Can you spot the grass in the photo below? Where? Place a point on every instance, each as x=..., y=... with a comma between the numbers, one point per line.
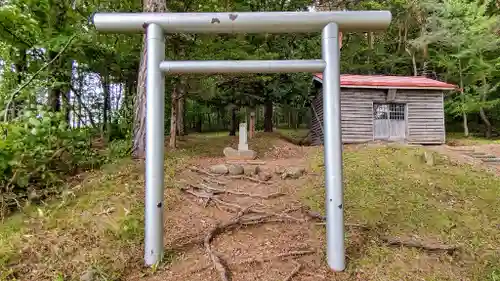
x=64, y=238
x=293, y=135
x=97, y=225
x=458, y=139
x=394, y=192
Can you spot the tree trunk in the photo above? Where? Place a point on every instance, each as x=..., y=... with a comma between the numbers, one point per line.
x=219, y=120
x=234, y=125
x=181, y=113
x=139, y=141
x=268, y=116
x=173, y=119
x=466, y=125
x=489, y=128
x=290, y=121
x=462, y=95
x=413, y=61
x=21, y=68
x=251, y=133
x=209, y=119
x=54, y=92
x=105, y=129
x=199, y=123
x=67, y=106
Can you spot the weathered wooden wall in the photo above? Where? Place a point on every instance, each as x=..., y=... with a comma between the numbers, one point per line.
x=425, y=115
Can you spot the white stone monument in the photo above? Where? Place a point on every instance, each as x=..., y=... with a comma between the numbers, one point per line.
x=243, y=153
x=243, y=144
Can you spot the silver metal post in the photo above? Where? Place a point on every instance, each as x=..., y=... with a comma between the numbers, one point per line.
x=272, y=22
x=155, y=107
x=243, y=66
x=248, y=22
x=333, y=148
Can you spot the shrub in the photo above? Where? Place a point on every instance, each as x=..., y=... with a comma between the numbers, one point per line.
x=37, y=151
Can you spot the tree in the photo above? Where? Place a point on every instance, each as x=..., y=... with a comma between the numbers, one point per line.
x=464, y=39
x=139, y=128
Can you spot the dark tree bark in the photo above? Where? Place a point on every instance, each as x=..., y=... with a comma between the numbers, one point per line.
x=21, y=67
x=482, y=113
x=234, y=122
x=173, y=119
x=139, y=141
x=54, y=92
x=106, y=122
x=198, y=124
x=180, y=108
x=268, y=116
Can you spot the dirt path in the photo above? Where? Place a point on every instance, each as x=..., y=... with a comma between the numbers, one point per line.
x=486, y=156
x=245, y=249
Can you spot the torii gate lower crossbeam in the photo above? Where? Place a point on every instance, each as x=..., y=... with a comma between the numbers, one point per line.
x=157, y=24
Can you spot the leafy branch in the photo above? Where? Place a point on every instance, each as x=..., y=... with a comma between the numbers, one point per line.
x=16, y=92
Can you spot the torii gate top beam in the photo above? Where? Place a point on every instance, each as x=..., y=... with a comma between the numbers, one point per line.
x=242, y=22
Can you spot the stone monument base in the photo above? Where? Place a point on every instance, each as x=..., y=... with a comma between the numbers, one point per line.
x=233, y=154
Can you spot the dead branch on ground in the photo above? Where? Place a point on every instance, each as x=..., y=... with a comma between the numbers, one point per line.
x=210, y=180
x=411, y=243
x=294, y=272
x=243, y=177
x=239, y=193
x=393, y=241
x=277, y=257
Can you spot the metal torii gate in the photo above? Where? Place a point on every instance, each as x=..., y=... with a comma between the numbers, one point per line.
x=157, y=24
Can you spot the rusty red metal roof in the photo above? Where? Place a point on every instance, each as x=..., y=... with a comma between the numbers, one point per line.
x=383, y=81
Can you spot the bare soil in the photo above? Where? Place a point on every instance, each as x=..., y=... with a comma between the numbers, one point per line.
x=245, y=250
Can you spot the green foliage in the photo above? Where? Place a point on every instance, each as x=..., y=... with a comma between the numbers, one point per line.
x=37, y=151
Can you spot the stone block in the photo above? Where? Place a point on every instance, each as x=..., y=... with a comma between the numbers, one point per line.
x=220, y=169
x=233, y=154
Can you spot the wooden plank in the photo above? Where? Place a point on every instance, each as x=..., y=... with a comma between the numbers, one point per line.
x=424, y=119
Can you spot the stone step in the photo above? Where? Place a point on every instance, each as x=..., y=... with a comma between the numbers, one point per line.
x=462, y=150
x=480, y=156
x=492, y=160
x=477, y=153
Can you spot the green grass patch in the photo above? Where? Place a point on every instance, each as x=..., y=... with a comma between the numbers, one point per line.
x=393, y=191
x=295, y=136
x=458, y=139
x=97, y=226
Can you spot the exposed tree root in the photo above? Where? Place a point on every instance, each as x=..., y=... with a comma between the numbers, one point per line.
x=209, y=191
x=218, y=191
x=411, y=243
x=239, y=220
x=243, y=177
x=218, y=263
x=246, y=216
x=294, y=272
x=210, y=180
x=395, y=241
x=277, y=257
x=282, y=256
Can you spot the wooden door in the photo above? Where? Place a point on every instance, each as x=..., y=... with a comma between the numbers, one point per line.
x=389, y=122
